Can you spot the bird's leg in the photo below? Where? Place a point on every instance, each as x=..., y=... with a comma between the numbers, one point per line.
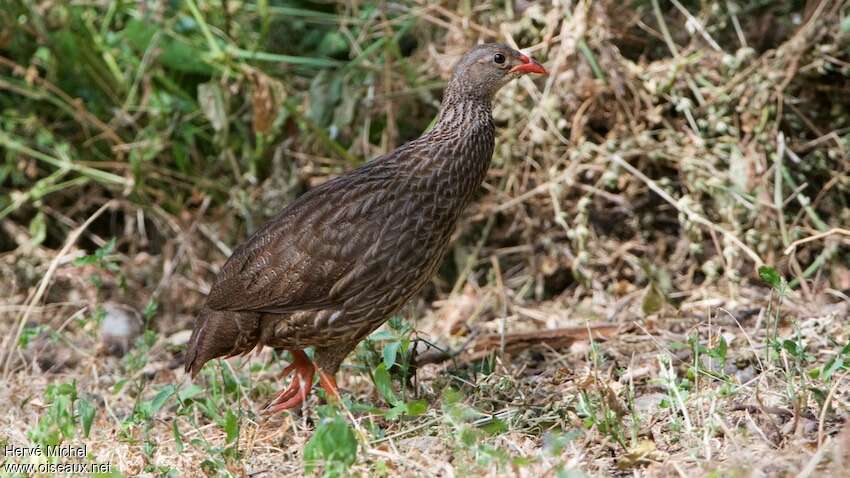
x=328, y=382
x=299, y=386
x=327, y=361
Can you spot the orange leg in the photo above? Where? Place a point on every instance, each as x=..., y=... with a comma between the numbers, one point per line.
x=328, y=382
x=299, y=386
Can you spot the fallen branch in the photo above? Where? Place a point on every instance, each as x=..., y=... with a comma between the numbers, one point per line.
x=482, y=346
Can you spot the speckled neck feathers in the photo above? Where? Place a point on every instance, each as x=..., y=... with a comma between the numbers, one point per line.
x=456, y=152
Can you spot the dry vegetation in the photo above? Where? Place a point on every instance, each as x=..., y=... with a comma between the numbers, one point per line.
x=678, y=187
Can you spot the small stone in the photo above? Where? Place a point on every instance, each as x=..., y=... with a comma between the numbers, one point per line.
x=179, y=338
x=119, y=329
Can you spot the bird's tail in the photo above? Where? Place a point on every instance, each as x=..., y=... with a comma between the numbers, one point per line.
x=220, y=333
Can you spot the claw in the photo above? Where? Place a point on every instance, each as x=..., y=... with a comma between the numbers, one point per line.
x=299, y=386
x=296, y=397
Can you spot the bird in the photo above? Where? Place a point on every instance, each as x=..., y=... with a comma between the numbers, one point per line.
x=345, y=256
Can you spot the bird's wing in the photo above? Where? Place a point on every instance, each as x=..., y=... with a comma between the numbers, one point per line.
x=294, y=261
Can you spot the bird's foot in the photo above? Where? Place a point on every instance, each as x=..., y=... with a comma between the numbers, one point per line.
x=299, y=386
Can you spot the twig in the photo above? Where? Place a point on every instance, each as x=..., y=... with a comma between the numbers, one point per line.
x=668, y=39
x=822, y=418
x=740, y=32
x=831, y=232
x=697, y=25
x=777, y=186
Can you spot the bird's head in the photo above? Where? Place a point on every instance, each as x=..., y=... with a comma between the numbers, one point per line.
x=486, y=68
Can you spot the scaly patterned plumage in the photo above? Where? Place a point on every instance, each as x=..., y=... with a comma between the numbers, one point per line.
x=342, y=258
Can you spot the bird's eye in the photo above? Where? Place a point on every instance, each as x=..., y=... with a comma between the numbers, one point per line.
x=499, y=58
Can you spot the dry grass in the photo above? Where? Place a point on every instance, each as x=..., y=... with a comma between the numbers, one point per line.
x=673, y=150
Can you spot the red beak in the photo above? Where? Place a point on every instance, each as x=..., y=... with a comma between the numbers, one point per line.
x=528, y=66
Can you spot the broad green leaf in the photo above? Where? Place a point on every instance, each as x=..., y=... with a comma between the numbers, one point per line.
x=791, y=347
x=86, y=412
x=830, y=367
x=160, y=398
x=189, y=392
x=416, y=407
x=390, y=352
x=383, y=383
x=495, y=427
x=382, y=335
x=231, y=426
x=333, y=444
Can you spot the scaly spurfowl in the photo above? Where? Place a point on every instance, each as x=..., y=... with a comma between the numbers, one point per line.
x=342, y=258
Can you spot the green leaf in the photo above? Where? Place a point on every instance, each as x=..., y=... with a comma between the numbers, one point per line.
x=334, y=444
x=174, y=53
x=451, y=396
x=771, y=276
x=231, y=426
x=653, y=300
x=830, y=367
x=495, y=427
x=390, y=352
x=150, y=309
x=384, y=384
x=333, y=44
x=719, y=352
x=28, y=334
x=189, y=392
x=395, y=412
x=468, y=436
x=791, y=347
x=38, y=229
x=86, y=413
x=119, y=385
x=106, y=249
x=160, y=398
x=416, y=407
x=379, y=335
x=178, y=437
x=99, y=257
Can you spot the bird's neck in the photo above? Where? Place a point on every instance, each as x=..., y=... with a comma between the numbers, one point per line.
x=460, y=146
x=462, y=108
